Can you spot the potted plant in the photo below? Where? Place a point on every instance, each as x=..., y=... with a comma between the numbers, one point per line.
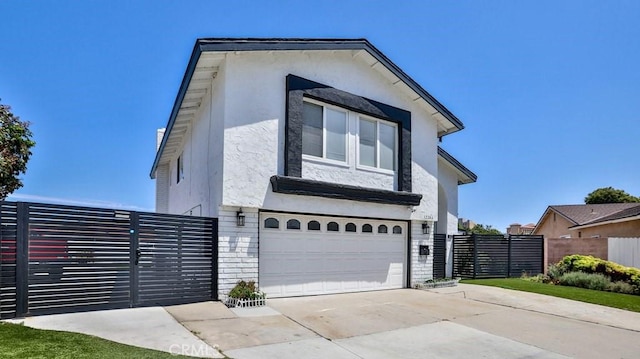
x=246, y=294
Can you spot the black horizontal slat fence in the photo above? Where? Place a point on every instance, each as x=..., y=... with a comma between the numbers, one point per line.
x=439, y=256
x=57, y=259
x=494, y=256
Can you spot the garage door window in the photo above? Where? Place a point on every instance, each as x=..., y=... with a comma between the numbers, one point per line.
x=382, y=229
x=313, y=226
x=333, y=227
x=271, y=223
x=397, y=230
x=366, y=228
x=350, y=227
x=293, y=224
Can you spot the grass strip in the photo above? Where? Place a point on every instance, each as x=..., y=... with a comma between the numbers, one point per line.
x=609, y=299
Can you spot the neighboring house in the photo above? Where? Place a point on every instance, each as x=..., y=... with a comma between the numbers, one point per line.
x=319, y=158
x=590, y=221
x=465, y=224
x=519, y=229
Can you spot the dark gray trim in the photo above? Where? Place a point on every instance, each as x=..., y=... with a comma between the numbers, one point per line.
x=298, y=88
x=275, y=44
x=306, y=187
x=459, y=166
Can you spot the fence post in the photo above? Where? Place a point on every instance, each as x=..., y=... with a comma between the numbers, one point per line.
x=134, y=228
x=475, y=254
x=22, y=259
x=544, y=270
x=214, y=259
x=509, y=257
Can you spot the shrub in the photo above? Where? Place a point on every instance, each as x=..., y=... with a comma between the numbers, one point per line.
x=623, y=287
x=595, y=281
x=590, y=264
x=540, y=278
x=555, y=271
x=246, y=290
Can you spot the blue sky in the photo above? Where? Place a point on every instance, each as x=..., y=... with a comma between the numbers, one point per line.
x=549, y=91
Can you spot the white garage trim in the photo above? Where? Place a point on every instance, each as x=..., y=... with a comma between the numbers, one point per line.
x=314, y=254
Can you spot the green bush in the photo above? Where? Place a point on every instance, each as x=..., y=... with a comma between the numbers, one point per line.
x=246, y=290
x=595, y=281
x=554, y=272
x=590, y=264
x=623, y=287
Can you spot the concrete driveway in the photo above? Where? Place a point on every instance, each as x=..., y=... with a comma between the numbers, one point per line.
x=460, y=322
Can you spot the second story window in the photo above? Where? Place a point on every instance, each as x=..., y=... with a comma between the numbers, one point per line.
x=377, y=144
x=324, y=132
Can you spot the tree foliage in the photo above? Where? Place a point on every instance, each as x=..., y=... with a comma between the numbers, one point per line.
x=15, y=150
x=482, y=229
x=609, y=195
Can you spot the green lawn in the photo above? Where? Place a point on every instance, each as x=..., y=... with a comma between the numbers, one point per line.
x=614, y=300
x=17, y=341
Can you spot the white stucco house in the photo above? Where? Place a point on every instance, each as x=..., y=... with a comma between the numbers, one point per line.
x=325, y=149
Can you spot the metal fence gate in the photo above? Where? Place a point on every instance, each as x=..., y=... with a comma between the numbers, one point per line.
x=57, y=259
x=494, y=256
x=439, y=256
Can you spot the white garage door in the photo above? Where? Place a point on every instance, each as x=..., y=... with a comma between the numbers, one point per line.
x=307, y=255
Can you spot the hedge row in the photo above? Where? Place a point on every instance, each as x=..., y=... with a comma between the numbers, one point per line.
x=590, y=264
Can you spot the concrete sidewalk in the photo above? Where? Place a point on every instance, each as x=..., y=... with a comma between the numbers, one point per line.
x=151, y=328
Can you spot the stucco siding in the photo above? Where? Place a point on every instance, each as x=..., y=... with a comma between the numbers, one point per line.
x=448, y=180
x=255, y=120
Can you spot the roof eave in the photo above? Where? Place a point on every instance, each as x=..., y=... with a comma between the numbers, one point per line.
x=466, y=174
x=602, y=223
x=274, y=44
x=193, y=61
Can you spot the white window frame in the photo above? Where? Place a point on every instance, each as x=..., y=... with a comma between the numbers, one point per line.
x=377, y=168
x=324, y=158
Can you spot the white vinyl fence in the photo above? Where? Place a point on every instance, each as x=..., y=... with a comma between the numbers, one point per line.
x=625, y=251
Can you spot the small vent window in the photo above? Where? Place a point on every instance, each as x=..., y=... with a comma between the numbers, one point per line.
x=397, y=230
x=313, y=226
x=382, y=229
x=350, y=227
x=333, y=227
x=271, y=223
x=366, y=228
x=293, y=224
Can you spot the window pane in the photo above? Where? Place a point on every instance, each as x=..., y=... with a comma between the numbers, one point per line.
x=313, y=226
x=312, y=129
x=333, y=227
x=397, y=230
x=293, y=224
x=382, y=229
x=271, y=223
x=336, y=123
x=387, y=146
x=367, y=143
x=367, y=228
x=350, y=227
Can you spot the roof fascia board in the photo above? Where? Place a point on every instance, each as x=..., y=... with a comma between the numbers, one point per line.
x=257, y=44
x=329, y=44
x=612, y=221
x=191, y=67
x=458, y=166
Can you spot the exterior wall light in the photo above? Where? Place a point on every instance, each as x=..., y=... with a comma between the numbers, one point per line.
x=240, y=218
x=425, y=228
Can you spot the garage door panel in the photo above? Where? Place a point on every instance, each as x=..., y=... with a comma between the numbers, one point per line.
x=303, y=262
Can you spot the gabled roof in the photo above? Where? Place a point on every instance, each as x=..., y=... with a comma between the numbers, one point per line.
x=448, y=122
x=590, y=214
x=464, y=174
